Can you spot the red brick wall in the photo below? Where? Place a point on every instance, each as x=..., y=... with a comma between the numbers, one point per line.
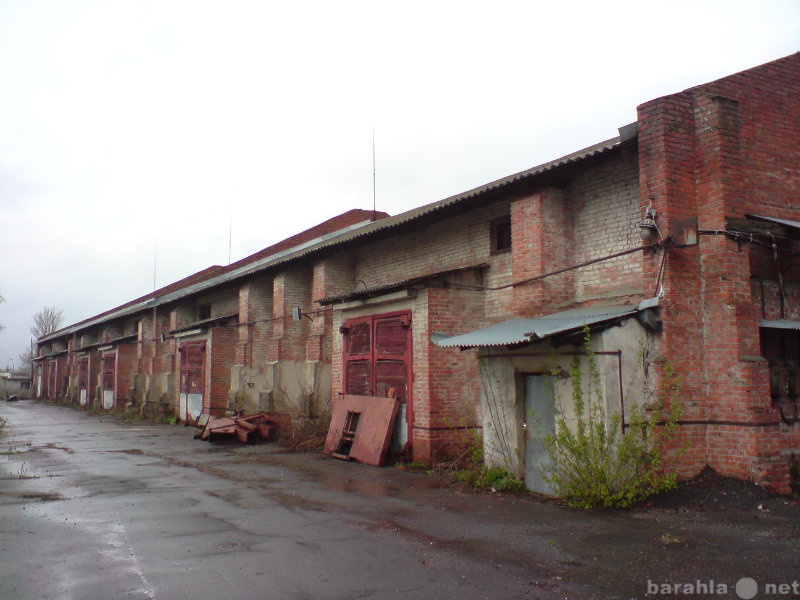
x=222, y=352
x=462, y=240
x=255, y=315
x=331, y=276
x=604, y=206
x=594, y=216
x=541, y=231
x=720, y=151
x=127, y=367
x=290, y=289
x=448, y=418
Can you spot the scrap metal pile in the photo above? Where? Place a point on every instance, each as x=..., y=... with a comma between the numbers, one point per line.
x=245, y=429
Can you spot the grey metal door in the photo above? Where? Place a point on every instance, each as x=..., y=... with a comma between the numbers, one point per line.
x=540, y=418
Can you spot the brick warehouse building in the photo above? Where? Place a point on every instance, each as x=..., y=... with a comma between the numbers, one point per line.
x=675, y=241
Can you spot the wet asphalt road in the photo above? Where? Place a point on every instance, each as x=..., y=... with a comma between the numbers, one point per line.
x=94, y=509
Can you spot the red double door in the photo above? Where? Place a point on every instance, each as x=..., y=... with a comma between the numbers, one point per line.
x=377, y=362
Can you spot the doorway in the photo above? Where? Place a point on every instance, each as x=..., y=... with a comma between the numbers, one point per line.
x=83, y=382
x=109, y=378
x=193, y=360
x=540, y=421
x=377, y=362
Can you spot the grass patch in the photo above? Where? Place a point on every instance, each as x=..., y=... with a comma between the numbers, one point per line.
x=416, y=467
x=491, y=479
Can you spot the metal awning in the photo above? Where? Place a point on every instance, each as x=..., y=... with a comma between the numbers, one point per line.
x=520, y=331
x=779, y=324
x=791, y=228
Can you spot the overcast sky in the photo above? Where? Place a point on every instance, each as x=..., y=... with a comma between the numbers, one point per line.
x=135, y=135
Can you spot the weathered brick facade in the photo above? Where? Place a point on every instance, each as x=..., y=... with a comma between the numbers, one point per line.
x=719, y=152
x=562, y=235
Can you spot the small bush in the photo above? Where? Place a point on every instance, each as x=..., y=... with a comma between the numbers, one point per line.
x=594, y=463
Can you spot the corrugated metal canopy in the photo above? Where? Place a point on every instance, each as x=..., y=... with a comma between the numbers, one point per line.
x=779, y=324
x=793, y=227
x=519, y=331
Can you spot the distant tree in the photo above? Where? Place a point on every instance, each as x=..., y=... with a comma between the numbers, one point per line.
x=46, y=321
x=26, y=360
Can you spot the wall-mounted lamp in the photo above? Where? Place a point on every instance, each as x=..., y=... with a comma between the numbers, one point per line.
x=647, y=227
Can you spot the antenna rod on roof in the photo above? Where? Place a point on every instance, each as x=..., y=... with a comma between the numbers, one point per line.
x=374, y=212
x=230, y=237
x=155, y=263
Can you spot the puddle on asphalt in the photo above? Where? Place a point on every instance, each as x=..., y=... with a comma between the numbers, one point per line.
x=57, y=447
x=30, y=496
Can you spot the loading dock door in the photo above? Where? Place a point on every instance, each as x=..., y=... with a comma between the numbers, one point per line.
x=83, y=382
x=193, y=359
x=377, y=360
x=109, y=375
x=540, y=418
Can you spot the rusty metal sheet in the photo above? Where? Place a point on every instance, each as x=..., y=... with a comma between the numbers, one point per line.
x=361, y=428
x=246, y=429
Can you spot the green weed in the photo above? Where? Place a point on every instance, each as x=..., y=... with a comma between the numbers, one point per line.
x=593, y=462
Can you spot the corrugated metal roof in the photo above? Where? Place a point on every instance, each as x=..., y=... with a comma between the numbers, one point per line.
x=348, y=234
x=411, y=215
x=193, y=284
x=519, y=331
x=795, y=225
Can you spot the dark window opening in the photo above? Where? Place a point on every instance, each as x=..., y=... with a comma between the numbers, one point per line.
x=203, y=312
x=501, y=235
x=781, y=348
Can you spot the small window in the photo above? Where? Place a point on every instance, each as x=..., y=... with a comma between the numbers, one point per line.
x=501, y=235
x=203, y=312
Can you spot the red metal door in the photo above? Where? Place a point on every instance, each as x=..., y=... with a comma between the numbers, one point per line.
x=377, y=362
x=109, y=378
x=193, y=359
x=52, y=386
